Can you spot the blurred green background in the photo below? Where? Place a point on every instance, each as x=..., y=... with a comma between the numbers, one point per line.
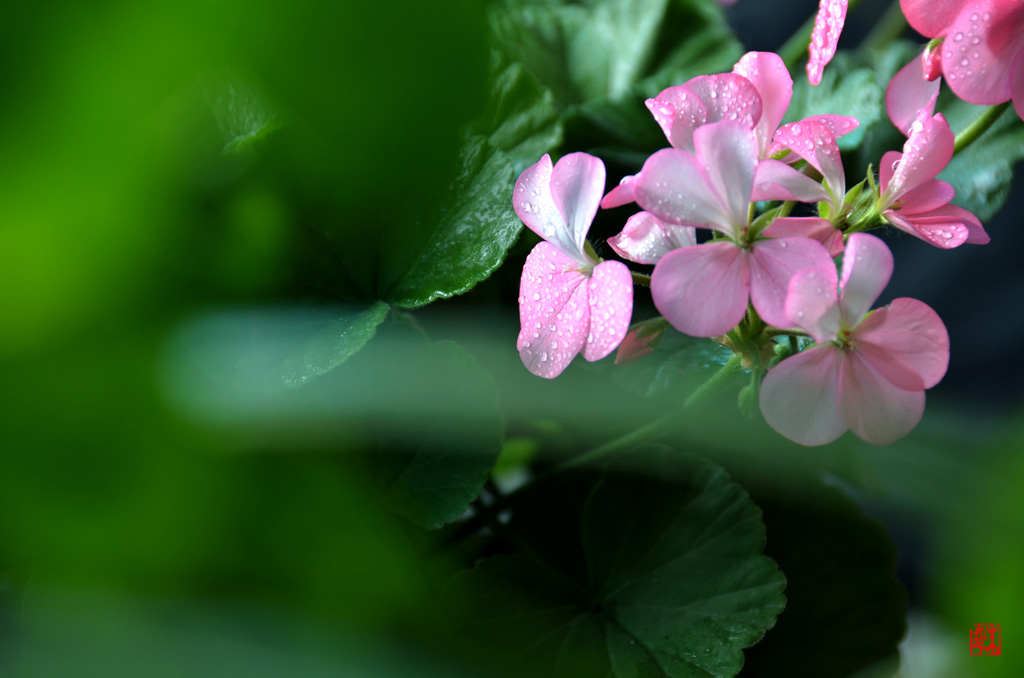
x=189, y=191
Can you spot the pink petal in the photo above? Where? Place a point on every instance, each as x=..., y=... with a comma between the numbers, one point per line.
x=886, y=169
x=703, y=290
x=727, y=96
x=873, y=407
x=559, y=203
x=553, y=311
x=775, y=180
x=769, y=75
x=839, y=125
x=611, y=305
x=773, y=263
x=1017, y=84
x=645, y=239
x=825, y=36
x=799, y=397
x=727, y=152
x=981, y=45
x=926, y=153
x=678, y=111
x=976, y=234
x=813, y=302
x=672, y=187
x=926, y=197
x=906, y=342
x=814, y=142
x=620, y=195
x=867, y=267
x=577, y=185
x=808, y=227
x=931, y=18
x=940, y=230
x=908, y=94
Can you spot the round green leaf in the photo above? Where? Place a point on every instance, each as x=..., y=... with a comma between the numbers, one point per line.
x=655, y=573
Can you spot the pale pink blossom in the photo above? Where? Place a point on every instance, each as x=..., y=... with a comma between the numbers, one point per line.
x=704, y=290
x=869, y=371
x=983, y=51
x=645, y=238
x=569, y=302
x=828, y=25
x=913, y=200
x=908, y=93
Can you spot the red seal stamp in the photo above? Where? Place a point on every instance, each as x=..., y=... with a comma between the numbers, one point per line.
x=985, y=639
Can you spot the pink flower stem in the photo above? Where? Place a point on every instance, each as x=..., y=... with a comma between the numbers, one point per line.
x=968, y=135
x=658, y=427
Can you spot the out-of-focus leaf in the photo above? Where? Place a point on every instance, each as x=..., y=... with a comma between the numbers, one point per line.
x=982, y=172
x=657, y=573
x=451, y=248
x=429, y=468
x=845, y=608
x=244, y=116
x=334, y=344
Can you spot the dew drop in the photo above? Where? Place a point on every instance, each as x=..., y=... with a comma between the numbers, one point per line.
x=543, y=357
x=536, y=296
x=958, y=37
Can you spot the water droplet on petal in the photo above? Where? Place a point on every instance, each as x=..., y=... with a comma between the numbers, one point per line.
x=536, y=296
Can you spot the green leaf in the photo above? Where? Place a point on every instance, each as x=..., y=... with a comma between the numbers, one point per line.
x=845, y=608
x=333, y=345
x=432, y=464
x=463, y=240
x=654, y=572
x=677, y=366
x=982, y=172
x=243, y=114
x=847, y=88
x=524, y=120
x=602, y=59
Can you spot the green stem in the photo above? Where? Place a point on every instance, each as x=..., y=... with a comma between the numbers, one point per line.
x=661, y=425
x=889, y=27
x=641, y=279
x=786, y=208
x=968, y=135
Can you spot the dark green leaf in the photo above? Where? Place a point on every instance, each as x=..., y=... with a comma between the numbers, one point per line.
x=678, y=365
x=982, y=172
x=432, y=463
x=845, y=608
x=461, y=242
x=653, y=573
x=524, y=121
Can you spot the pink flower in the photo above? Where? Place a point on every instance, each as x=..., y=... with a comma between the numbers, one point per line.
x=704, y=290
x=870, y=370
x=913, y=200
x=569, y=302
x=910, y=92
x=828, y=25
x=757, y=94
x=983, y=52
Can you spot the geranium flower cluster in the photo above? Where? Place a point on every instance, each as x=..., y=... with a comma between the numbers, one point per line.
x=755, y=277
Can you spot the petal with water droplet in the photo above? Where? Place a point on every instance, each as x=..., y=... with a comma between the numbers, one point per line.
x=703, y=290
x=799, y=397
x=611, y=286
x=867, y=268
x=562, y=302
x=773, y=263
